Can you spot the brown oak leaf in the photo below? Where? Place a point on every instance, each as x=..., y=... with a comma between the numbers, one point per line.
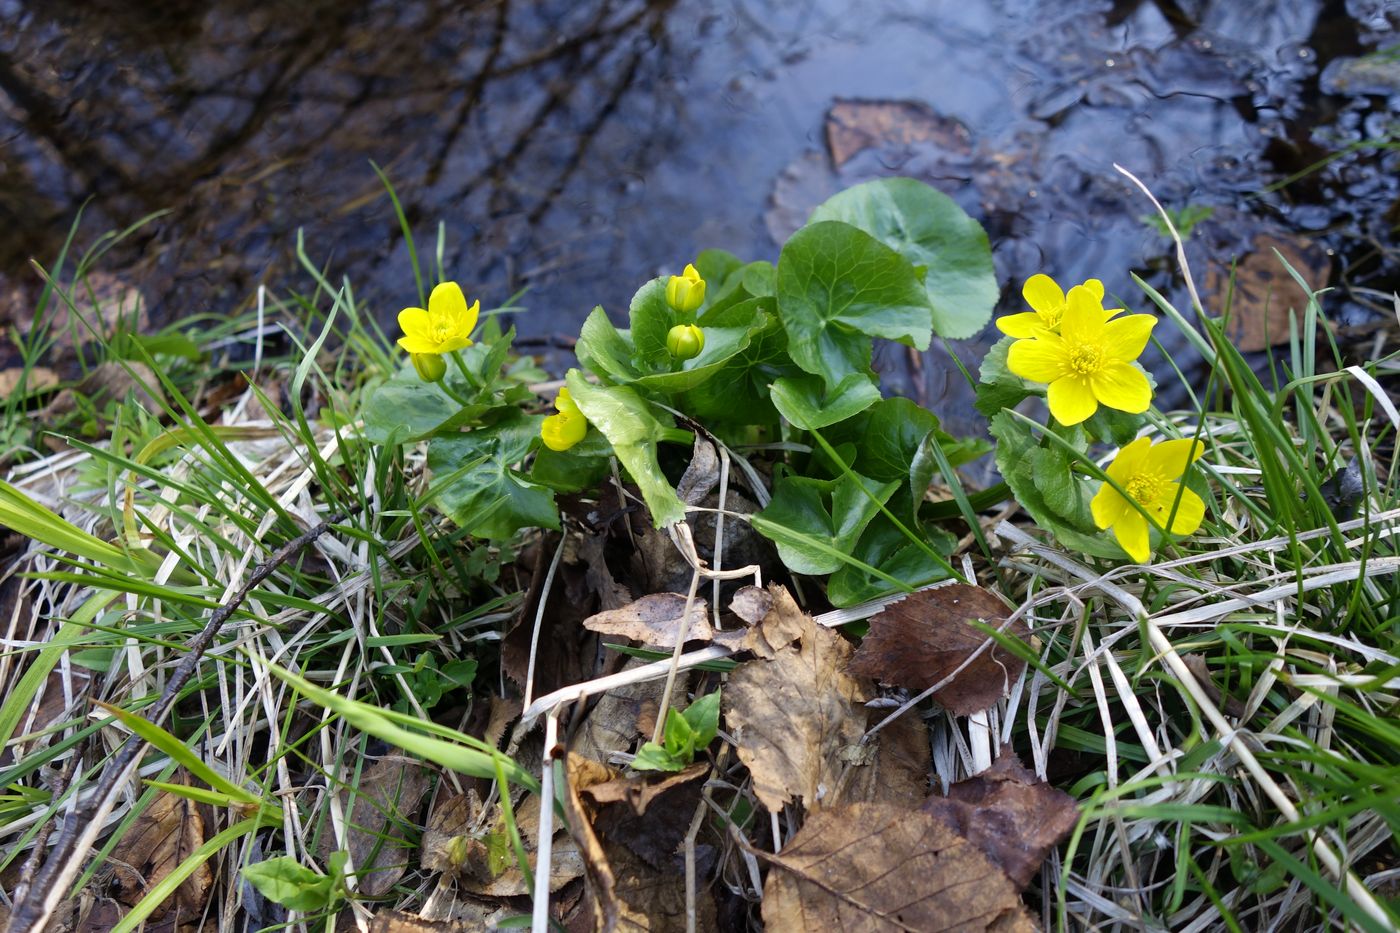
x=877, y=867
x=1008, y=813
x=922, y=639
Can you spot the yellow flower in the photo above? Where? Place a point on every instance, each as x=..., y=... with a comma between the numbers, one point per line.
x=685, y=341
x=564, y=430
x=685, y=293
x=1151, y=475
x=1047, y=301
x=1089, y=362
x=444, y=327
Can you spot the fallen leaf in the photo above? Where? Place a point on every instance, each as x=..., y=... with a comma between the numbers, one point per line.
x=163, y=836
x=893, y=767
x=35, y=379
x=1264, y=295
x=381, y=810
x=781, y=625
x=648, y=813
x=856, y=125
x=621, y=715
x=611, y=594
x=393, y=921
x=1197, y=665
x=654, y=899
x=751, y=604
x=582, y=773
x=654, y=620
x=875, y=866
x=108, y=382
x=504, y=710
x=791, y=716
x=1009, y=814
x=565, y=864
x=925, y=637
x=450, y=842
x=701, y=475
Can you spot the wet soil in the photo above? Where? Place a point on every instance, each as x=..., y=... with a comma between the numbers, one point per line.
x=575, y=149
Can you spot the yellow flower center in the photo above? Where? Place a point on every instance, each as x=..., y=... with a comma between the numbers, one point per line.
x=442, y=331
x=1086, y=359
x=1143, y=487
x=1052, y=317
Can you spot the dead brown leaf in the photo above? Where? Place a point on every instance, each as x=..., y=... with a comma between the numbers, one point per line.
x=782, y=624
x=893, y=767
x=701, y=475
x=623, y=714
x=856, y=125
x=383, y=806
x=35, y=379
x=925, y=637
x=751, y=604
x=506, y=878
x=108, y=382
x=1232, y=706
x=393, y=921
x=162, y=837
x=877, y=867
x=449, y=842
x=104, y=303
x=611, y=594
x=1013, y=817
x=648, y=813
x=791, y=716
x=583, y=773
x=654, y=620
x=1264, y=295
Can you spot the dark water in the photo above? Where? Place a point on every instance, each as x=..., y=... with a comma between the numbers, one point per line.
x=579, y=148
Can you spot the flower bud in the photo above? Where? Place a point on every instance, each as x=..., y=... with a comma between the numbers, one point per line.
x=685, y=293
x=685, y=341
x=431, y=366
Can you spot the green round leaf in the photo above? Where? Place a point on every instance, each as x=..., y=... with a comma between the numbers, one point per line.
x=929, y=229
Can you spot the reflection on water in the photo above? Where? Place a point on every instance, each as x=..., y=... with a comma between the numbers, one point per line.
x=578, y=148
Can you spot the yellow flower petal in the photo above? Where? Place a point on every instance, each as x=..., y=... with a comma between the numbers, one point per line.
x=1131, y=532
x=1170, y=459
x=1043, y=294
x=1041, y=359
x=1122, y=386
x=562, y=431
x=1130, y=460
x=470, y=318
x=1125, y=337
x=1084, y=319
x=1024, y=324
x=1095, y=288
x=1107, y=506
x=414, y=322
x=1190, y=511
x=1071, y=400
x=448, y=302
x=417, y=343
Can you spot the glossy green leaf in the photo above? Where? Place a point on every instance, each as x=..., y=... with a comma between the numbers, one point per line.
x=703, y=717
x=885, y=546
x=812, y=521
x=651, y=318
x=806, y=402
x=476, y=483
x=929, y=229
x=997, y=386
x=629, y=425
x=738, y=391
x=407, y=409
x=838, y=287
x=604, y=350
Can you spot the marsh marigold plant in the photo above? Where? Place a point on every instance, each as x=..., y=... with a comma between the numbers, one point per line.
x=1151, y=475
x=1089, y=362
x=445, y=325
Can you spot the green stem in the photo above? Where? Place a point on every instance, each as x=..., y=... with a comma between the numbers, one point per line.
x=917, y=541
x=467, y=374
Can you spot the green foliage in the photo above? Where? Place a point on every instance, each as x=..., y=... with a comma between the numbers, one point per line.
x=685, y=734
x=286, y=881
x=1184, y=218
x=947, y=248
